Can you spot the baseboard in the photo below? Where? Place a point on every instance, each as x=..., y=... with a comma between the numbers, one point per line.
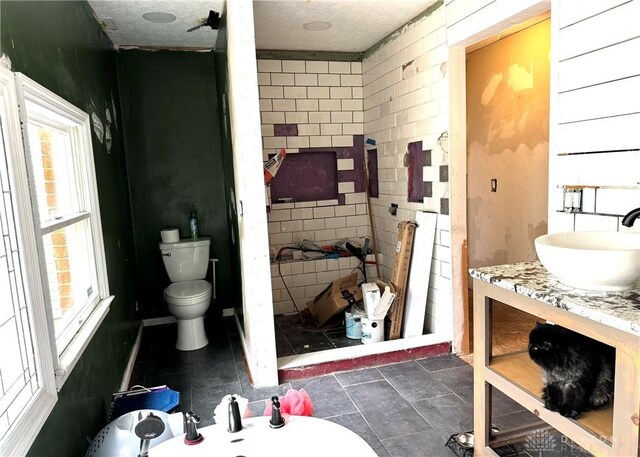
x=126, y=377
x=226, y=312
x=159, y=321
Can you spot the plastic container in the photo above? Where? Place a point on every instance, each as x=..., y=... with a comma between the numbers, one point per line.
x=193, y=225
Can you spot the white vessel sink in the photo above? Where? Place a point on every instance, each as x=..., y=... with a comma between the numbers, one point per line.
x=607, y=261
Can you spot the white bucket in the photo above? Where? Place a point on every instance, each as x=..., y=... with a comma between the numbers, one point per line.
x=170, y=235
x=372, y=330
x=353, y=324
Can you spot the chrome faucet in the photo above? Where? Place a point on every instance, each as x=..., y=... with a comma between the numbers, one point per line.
x=631, y=217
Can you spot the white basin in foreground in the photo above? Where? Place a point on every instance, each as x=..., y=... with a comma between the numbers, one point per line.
x=607, y=261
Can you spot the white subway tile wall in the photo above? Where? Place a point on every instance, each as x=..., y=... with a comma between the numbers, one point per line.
x=306, y=279
x=405, y=99
x=325, y=100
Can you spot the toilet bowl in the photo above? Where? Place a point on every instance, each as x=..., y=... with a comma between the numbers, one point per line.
x=188, y=296
x=188, y=301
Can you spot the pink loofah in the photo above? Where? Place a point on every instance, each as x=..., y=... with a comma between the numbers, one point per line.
x=294, y=403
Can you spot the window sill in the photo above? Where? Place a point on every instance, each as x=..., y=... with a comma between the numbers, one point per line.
x=71, y=355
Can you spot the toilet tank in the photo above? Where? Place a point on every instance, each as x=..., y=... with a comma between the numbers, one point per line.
x=187, y=259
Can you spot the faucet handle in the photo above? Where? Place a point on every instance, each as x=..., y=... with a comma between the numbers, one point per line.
x=190, y=416
x=276, y=418
x=191, y=421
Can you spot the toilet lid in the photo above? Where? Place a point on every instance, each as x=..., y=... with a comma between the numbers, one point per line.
x=188, y=289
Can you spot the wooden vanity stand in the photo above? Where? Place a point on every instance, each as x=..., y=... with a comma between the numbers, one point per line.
x=610, y=317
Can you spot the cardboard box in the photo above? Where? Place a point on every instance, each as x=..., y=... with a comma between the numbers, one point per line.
x=337, y=296
x=399, y=276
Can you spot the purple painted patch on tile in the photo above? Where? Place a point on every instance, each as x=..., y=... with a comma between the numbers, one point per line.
x=415, y=185
x=307, y=176
x=358, y=161
x=341, y=199
x=285, y=129
x=357, y=154
x=347, y=175
x=372, y=168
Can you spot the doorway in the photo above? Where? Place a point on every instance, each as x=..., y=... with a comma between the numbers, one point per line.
x=499, y=129
x=507, y=97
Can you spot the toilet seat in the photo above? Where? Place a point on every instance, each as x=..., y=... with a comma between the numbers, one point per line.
x=188, y=292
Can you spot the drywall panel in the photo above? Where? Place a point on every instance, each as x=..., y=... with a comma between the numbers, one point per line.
x=598, y=32
x=610, y=99
x=460, y=9
x=418, y=284
x=612, y=169
x=507, y=144
x=605, y=134
x=572, y=11
x=608, y=64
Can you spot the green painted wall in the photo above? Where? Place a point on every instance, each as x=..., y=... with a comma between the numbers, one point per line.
x=59, y=45
x=175, y=160
x=227, y=161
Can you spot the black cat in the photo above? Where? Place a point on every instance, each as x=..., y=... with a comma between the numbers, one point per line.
x=577, y=371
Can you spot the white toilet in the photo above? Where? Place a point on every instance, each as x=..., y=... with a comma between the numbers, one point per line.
x=189, y=295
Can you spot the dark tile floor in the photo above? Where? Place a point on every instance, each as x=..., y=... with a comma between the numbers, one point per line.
x=298, y=334
x=404, y=409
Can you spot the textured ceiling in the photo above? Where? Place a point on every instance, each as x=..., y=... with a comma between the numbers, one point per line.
x=133, y=30
x=356, y=24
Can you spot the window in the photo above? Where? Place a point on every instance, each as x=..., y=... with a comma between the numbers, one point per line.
x=27, y=384
x=57, y=141
x=53, y=282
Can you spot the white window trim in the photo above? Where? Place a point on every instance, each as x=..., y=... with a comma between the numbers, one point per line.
x=71, y=355
x=65, y=113
x=25, y=430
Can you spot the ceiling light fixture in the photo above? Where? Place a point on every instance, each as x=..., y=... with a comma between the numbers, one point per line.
x=317, y=26
x=158, y=17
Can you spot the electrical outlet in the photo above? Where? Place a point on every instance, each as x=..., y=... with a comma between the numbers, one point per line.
x=494, y=185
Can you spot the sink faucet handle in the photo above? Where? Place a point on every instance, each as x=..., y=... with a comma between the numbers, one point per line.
x=191, y=422
x=235, y=421
x=276, y=418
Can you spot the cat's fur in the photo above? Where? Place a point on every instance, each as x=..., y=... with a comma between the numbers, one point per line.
x=577, y=371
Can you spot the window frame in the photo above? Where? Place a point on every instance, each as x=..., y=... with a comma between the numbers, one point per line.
x=25, y=429
x=32, y=95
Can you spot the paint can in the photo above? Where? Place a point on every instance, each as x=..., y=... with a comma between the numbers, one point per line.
x=353, y=323
x=372, y=330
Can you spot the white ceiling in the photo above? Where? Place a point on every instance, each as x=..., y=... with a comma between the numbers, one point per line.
x=133, y=30
x=356, y=24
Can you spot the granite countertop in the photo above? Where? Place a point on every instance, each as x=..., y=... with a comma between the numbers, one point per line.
x=620, y=310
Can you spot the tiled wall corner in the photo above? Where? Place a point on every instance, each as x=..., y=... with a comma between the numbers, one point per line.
x=405, y=101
